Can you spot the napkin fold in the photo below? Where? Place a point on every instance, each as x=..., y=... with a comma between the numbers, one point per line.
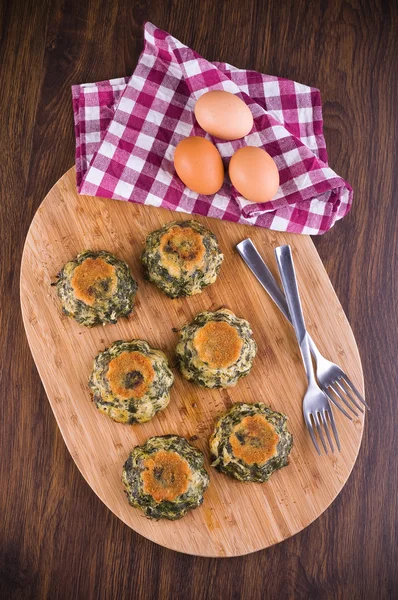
x=127, y=130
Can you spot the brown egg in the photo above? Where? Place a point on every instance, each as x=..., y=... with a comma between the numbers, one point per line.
x=223, y=115
x=198, y=164
x=254, y=174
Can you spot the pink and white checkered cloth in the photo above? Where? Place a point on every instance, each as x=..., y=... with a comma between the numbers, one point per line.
x=127, y=130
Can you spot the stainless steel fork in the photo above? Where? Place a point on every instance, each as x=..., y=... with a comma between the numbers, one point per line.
x=334, y=382
x=316, y=407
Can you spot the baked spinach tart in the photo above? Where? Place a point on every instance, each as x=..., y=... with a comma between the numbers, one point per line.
x=250, y=442
x=131, y=381
x=165, y=477
x=96, y=288
x=182, y=258
x=216, y=349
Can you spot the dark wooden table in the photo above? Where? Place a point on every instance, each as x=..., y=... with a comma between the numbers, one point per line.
x=57, y=539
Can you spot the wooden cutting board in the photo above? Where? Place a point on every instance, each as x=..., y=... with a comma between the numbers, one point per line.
x=236, y=518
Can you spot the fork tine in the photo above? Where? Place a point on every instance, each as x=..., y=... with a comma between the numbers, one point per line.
x=311, y=432
x=318, y=424
x=338, y=405
x=326, y=427
x=329, y=413
x=343, y=389
x=348, y=405
x=348, y=384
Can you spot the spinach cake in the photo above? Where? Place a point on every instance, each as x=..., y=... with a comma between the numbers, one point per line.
x=96, y=288
x=216, y=349
x=165, y=477
x=250, y=442
x=131, y=381
x=182, y=258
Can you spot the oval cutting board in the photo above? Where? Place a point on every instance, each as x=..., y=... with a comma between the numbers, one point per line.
x=236, y=518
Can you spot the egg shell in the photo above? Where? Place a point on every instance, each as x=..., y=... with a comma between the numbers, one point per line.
x=223, y=115
x=199, y=165
x=254, y=174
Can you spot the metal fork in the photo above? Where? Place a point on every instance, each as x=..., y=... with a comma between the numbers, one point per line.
x=334, y=382
x=316, y=407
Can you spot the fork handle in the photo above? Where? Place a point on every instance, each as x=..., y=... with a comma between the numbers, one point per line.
x=254, y=261
x=284, y=260
x=252, y=258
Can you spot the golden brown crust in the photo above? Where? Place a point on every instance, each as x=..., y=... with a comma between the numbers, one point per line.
x=218, y=344
x=130, y=374
x=181, y=247
x=94, y=277
x=254, y=440
x=166, y=476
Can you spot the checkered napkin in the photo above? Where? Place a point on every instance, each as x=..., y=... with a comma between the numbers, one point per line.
x=127, y=130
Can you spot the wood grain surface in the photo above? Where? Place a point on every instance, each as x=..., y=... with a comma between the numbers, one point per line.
x=57, y=539
x=236, y=518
